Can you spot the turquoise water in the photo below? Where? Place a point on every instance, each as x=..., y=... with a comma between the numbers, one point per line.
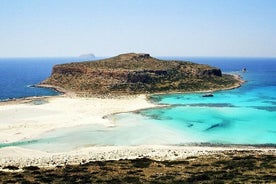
x=246, y=115
x=225, y=118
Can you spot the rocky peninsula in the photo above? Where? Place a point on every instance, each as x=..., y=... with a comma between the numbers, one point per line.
x=137, y=74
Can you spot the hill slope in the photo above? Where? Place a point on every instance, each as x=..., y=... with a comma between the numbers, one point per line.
x=137, y=73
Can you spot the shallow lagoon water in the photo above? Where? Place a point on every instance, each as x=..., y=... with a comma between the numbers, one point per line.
x=129, y=129
x=246, y=115
x=214, y=122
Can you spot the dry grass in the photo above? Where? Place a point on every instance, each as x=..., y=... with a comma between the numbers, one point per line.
x=224, y=167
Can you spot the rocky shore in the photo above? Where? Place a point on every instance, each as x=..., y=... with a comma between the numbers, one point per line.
x=133, y=73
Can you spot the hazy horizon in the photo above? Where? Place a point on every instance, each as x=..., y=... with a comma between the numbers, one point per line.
x=170, y=57
x=181, y=28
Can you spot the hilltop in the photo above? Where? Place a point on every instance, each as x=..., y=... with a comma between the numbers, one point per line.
x=135, y=74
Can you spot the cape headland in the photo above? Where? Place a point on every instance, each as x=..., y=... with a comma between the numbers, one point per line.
x=134, y=73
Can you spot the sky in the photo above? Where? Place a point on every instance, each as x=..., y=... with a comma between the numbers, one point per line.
x=58, y=28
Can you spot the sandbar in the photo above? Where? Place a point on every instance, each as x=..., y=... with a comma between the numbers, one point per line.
x=29, y=118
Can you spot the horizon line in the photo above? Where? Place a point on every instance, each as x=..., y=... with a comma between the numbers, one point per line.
x=191, y=56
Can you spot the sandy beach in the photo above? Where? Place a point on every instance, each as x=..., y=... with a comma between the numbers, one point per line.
x=29, y=118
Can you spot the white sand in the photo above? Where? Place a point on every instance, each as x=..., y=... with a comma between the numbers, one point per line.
x=21, y=121
x=24, y=120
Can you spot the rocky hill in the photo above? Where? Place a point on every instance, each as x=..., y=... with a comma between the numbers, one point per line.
x=137, y=73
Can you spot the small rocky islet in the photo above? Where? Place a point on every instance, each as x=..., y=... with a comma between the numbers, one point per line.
x=134, y=73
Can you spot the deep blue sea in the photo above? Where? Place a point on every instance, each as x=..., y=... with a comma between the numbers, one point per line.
x=246, y=115
x=18, y=74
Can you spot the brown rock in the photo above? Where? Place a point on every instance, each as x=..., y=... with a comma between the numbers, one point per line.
x=137, y=73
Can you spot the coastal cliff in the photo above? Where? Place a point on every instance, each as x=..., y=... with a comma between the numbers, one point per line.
x=135, y=74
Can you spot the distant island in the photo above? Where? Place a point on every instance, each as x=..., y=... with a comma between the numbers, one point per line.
x=134, y=73
x=90, y=55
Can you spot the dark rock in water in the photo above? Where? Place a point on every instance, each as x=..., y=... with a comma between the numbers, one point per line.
x=213, y=126
x=208, y=95
x=218, y=125
x=137, y=73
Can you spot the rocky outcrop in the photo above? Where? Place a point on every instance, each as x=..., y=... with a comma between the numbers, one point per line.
x=136, y=73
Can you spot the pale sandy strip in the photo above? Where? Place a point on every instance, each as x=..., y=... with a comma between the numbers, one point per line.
x=22, y=121
x=23, y=157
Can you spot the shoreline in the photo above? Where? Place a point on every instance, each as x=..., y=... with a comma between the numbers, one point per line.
x=20, y=157
x=29, y=118
x=67, y=93
x=37, y=115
